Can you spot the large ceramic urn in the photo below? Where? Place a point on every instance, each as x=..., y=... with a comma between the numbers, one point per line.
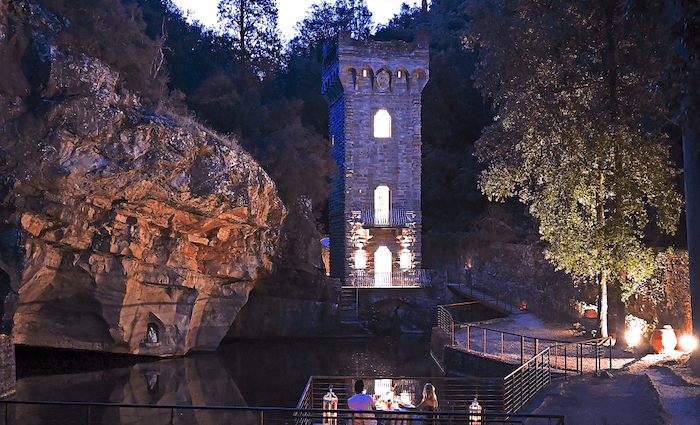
x=663, y=340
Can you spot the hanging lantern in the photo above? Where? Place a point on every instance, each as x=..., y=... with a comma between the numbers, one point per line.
x=475, y=413
x=330, y=402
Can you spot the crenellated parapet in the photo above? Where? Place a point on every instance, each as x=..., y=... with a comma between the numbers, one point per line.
x=376, y=67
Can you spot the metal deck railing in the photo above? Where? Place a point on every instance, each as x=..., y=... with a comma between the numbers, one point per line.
x=549, y=357
x=587, y=356
x=567, y=356
x=524, y=382
x=454, y=397
x=79, y=413
x=88, y=413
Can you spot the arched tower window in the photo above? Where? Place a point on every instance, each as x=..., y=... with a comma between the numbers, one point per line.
x=382, y=124
x=351, y=81
x=382, y=205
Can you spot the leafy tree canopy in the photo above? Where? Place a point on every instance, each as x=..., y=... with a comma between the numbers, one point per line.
x=324, y=20
x=576, y=137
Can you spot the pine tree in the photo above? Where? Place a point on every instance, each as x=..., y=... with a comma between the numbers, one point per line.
x=252, y=24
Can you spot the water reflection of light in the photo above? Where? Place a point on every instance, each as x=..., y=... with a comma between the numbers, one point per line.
x=382, y=386
x=257, y=368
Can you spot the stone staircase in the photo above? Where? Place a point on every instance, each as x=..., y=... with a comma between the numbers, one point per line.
x=494, y=301
x=348, y=305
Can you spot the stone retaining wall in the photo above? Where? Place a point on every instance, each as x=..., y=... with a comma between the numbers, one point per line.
x=457, y=362
x=8, y=376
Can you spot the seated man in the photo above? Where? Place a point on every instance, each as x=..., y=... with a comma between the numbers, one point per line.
x=362, y=401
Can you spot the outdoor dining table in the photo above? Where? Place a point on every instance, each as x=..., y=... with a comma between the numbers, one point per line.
x=394, y=414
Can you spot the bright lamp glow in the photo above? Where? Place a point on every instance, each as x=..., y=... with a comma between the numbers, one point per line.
x=688, y=342
x=360, y=259
x=633, y=336
x=405, y=259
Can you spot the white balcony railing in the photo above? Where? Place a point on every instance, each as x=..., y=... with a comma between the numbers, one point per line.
x=394, y=217
x=402, y=278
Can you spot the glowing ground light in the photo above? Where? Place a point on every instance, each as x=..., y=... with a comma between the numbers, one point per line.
x=688, y=342
x=633, y=336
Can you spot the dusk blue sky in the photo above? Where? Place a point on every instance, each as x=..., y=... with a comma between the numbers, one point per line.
x=290, y=11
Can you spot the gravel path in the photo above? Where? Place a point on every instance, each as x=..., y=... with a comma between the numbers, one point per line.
x=640, y=389
x=501, y=339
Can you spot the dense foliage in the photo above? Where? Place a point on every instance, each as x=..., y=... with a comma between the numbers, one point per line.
x=252, y=26
x=578, y=136
x=664, y=296
x=453, y=116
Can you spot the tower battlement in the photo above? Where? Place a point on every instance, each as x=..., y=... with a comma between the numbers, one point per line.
x=392, y=67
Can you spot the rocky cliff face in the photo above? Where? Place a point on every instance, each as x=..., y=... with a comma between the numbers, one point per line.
x=144, y=231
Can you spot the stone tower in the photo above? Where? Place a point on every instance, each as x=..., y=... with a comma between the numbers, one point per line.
x=373, y=89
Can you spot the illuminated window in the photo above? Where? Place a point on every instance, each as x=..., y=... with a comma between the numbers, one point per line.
x=382, y=124
x=399, y=74
x=382, y=205
x=365, y=72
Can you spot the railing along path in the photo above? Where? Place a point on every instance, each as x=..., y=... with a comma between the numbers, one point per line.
x=539, y=358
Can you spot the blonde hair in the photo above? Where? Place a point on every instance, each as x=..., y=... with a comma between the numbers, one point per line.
x=429, y=393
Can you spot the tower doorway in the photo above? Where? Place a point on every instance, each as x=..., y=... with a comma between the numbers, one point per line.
x=382, y=266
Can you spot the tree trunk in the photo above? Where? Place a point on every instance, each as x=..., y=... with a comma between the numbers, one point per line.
x=603, y=312
x=691, y=169
x=242, y=29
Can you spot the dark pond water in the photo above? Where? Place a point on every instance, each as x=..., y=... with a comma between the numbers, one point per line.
x=243, y=373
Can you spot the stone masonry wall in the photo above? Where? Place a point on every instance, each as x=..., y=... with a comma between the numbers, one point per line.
x=7, y=365
x=366, y=77
x=337, y=221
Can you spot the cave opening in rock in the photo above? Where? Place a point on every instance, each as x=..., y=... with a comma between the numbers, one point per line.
x=152, y=333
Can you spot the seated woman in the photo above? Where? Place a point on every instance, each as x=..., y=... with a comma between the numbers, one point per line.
x=428, y=404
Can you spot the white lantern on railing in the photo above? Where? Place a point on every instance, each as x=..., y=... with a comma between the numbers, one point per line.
x=475, y=409
x=330, y=402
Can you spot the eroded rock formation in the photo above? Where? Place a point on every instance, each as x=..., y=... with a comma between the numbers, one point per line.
x=145, y=232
